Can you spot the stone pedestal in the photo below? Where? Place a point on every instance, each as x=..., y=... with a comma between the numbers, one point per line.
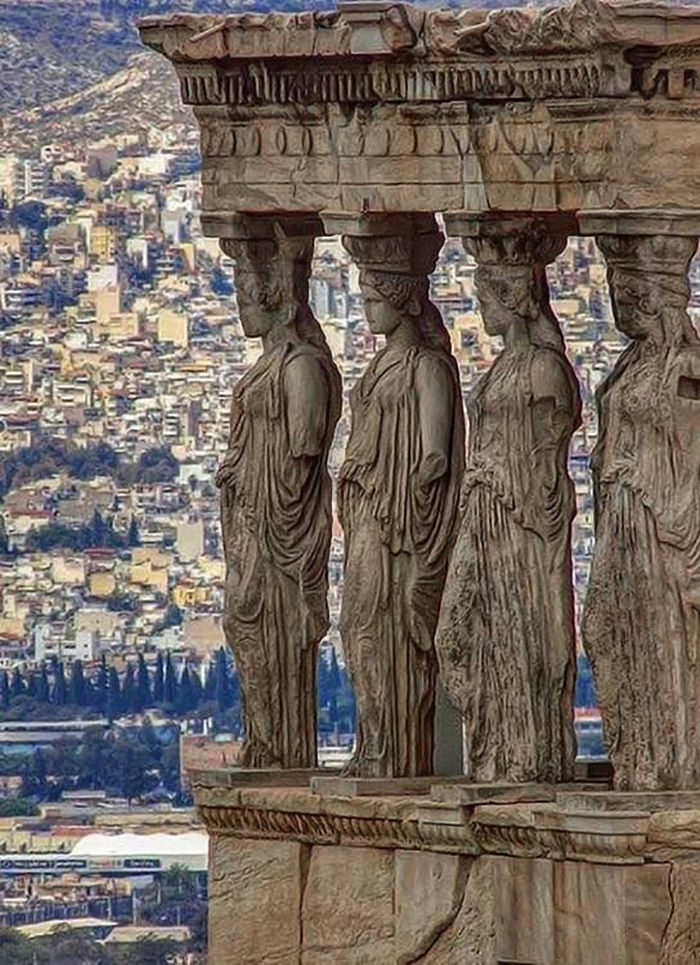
x=303, y=877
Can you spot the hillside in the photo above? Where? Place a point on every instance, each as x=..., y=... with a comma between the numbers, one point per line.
x=75, y=69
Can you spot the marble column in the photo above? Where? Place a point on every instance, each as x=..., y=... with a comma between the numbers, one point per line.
x=276, y=511
x=398, y=495
x=641, y=625
x=506, y=640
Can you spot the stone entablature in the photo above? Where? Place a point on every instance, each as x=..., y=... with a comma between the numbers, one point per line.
x=318, y=878
x=575, y=107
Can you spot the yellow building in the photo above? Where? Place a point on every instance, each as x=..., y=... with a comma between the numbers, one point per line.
x=173, y=327
x=149, y=567
x=121, y=325
x=190, y=595
x=102, y=243
x=102, y=584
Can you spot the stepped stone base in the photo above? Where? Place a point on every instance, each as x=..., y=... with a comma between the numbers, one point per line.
x=298, y=876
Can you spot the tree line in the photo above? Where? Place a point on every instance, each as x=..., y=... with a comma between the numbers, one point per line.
x=25, y=694
x=60, y=692
x=49, y=456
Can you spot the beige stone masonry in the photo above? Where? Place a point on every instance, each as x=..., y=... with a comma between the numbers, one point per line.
x=592, y=105
x=317, y=879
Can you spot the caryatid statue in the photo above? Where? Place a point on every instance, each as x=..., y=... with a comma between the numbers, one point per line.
x=641, y=625
x=276, y=509
x=398, y=498
x=506, y=638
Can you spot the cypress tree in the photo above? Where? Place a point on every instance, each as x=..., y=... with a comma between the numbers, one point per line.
x=133, y=538
x=43, y=691
x=17, y=685
x=60, y=689
x=77, y=685
x=210, y=682
x=129, y=690
x=114, y=696
x=39, y=771
x=101, y=686
x=184, y=692
x=222, y=689
x=143, y=687
x=158, y=680
x=170, y=685
x=197, y=689
x=4, y=691
x=98, y=529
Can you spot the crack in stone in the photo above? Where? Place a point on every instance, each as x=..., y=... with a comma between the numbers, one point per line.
x=304, y=862
x=433, y=937
x=672, y=899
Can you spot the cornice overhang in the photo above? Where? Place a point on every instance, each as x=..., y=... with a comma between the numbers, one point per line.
x=390, y=107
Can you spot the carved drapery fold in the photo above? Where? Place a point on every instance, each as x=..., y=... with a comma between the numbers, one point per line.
x=641, y=623
x=506, y=634
x=276, y=492
x=398, y=496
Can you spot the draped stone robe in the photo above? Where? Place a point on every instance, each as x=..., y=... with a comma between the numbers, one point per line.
x=276, y=520
x=641, y=624
x=398, y=536
x=506, y=635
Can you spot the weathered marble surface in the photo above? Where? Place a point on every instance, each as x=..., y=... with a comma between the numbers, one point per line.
x=580, y=106
x=506, y=638
x=398, y=497
x=541, y=886
x=641, y=624
x=276, y=493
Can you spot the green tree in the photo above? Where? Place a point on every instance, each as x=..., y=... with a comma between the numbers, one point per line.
x=159, y=681
x=143, y=686
x=129, y=698
x=133, y=538
x=114, y=695
x=17, y=687
x=60, y=688
x=101, y=685
x=222, y=685
x=184, y=702
x=170, y=684
x=98, y=529
x=15, y=949
x=43, y=691
x=78, y=686
x=17, y=807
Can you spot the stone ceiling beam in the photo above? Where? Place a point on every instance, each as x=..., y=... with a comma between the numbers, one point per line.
x=389, y=107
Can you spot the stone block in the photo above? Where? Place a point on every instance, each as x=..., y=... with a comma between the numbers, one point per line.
x=429, y=892
x=255, y=890
x=348, y=906
x=523, y=894
x=471, y=937
x=628, y=907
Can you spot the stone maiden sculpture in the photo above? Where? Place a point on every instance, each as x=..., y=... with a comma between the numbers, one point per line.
x=641, y=623
x=506, y=636
x=276, y=500
x=398, y=501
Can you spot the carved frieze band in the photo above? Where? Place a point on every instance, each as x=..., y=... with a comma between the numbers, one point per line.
x=596, y=75
x=472, y=836
x=262, y=83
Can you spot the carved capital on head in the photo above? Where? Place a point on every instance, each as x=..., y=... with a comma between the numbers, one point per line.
x=273, y=264
x=648, y=254
x=512, y=254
